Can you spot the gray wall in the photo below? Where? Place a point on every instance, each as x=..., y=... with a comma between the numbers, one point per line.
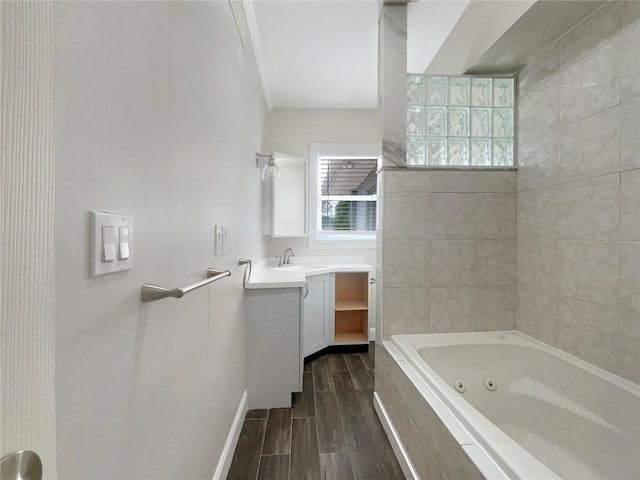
x=579, y=192
x=153, y=118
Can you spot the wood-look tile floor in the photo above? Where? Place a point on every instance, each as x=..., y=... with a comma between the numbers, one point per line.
x=331, y=433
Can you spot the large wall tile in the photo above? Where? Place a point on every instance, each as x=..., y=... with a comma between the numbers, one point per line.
x=379, y=306
x=407, y=405
x=538, y=111
x=630, y=68
x=406, y=263
x=453, y=263
x=407, y=180
x=630, y=276
x=452, y=309
x=496, y=182
x=406, y=216
x=578, y=219
x=496, y=262
x=496, y=215
x=630, y=135
x=453, y=215
x=456, y=464
x=538, y=162
x=629, y=345
x=539, y=68
x=630, y=205
x=380, y=199
x=537, y=313
x=391, y=403
x=590, y=147
x=589, y=209
x=589, y=331
x=591, y=85
x=536, y=264
x=588, y=271
x=537, y=213
x=406, y=310
x=392, y=92
x=495, y=308
x=630, y=12
x=590, y=34
x=379, y=249
x=453, y=182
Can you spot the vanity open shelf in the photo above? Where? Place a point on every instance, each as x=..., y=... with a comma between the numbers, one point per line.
x=351, y=324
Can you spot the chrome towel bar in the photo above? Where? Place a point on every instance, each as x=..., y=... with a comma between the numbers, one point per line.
x=151, y=293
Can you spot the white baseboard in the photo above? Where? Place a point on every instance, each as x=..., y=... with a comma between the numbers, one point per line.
x=396, y=443
x=232, y=440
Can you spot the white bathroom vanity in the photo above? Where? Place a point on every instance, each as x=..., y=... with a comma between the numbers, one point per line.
x=298, y=310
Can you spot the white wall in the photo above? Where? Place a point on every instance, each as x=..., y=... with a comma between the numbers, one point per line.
x=155, y=119
x=27, y=329
x=290, y=130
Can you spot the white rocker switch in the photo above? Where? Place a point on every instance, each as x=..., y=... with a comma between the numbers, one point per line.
x=123, y=243
x=108, y=243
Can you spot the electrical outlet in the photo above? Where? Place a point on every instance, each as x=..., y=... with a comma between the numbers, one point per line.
x=218, y=240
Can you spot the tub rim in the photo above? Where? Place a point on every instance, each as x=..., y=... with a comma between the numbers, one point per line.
x=464, y=421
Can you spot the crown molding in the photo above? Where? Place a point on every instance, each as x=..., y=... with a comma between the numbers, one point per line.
x=254, y=34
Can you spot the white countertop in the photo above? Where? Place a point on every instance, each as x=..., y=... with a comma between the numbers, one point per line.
x=267, y=274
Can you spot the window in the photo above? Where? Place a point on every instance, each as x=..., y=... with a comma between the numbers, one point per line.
x=460, y=121
x=342, y=197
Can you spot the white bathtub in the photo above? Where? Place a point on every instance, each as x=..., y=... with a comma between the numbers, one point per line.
x=551, y=415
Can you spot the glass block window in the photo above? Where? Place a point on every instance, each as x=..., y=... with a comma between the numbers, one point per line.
x=460, y=121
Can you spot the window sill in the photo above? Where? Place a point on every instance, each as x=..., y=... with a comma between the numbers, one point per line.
x=337, y=241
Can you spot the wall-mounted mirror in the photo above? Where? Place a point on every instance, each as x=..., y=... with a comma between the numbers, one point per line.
x=284, y=198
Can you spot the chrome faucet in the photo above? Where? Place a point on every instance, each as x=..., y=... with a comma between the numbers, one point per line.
x=286, y=260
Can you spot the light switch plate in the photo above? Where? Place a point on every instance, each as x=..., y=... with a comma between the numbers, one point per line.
x=225, y=240
x=218, y=240
x=107, y=219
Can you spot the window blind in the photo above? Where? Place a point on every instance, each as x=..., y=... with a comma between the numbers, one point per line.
x=348, y=194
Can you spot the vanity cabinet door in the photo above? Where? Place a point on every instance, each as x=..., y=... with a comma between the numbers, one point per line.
x=317, y=331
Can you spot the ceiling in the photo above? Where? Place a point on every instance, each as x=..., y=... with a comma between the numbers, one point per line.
x=324, y=53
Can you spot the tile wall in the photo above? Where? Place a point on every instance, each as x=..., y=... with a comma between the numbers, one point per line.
x=448, y=251
x=434, y=451
x=578, y=220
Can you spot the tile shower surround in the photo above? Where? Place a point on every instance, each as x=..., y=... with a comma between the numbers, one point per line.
x=576, y=261
x=449, y=250
x=578, y=220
